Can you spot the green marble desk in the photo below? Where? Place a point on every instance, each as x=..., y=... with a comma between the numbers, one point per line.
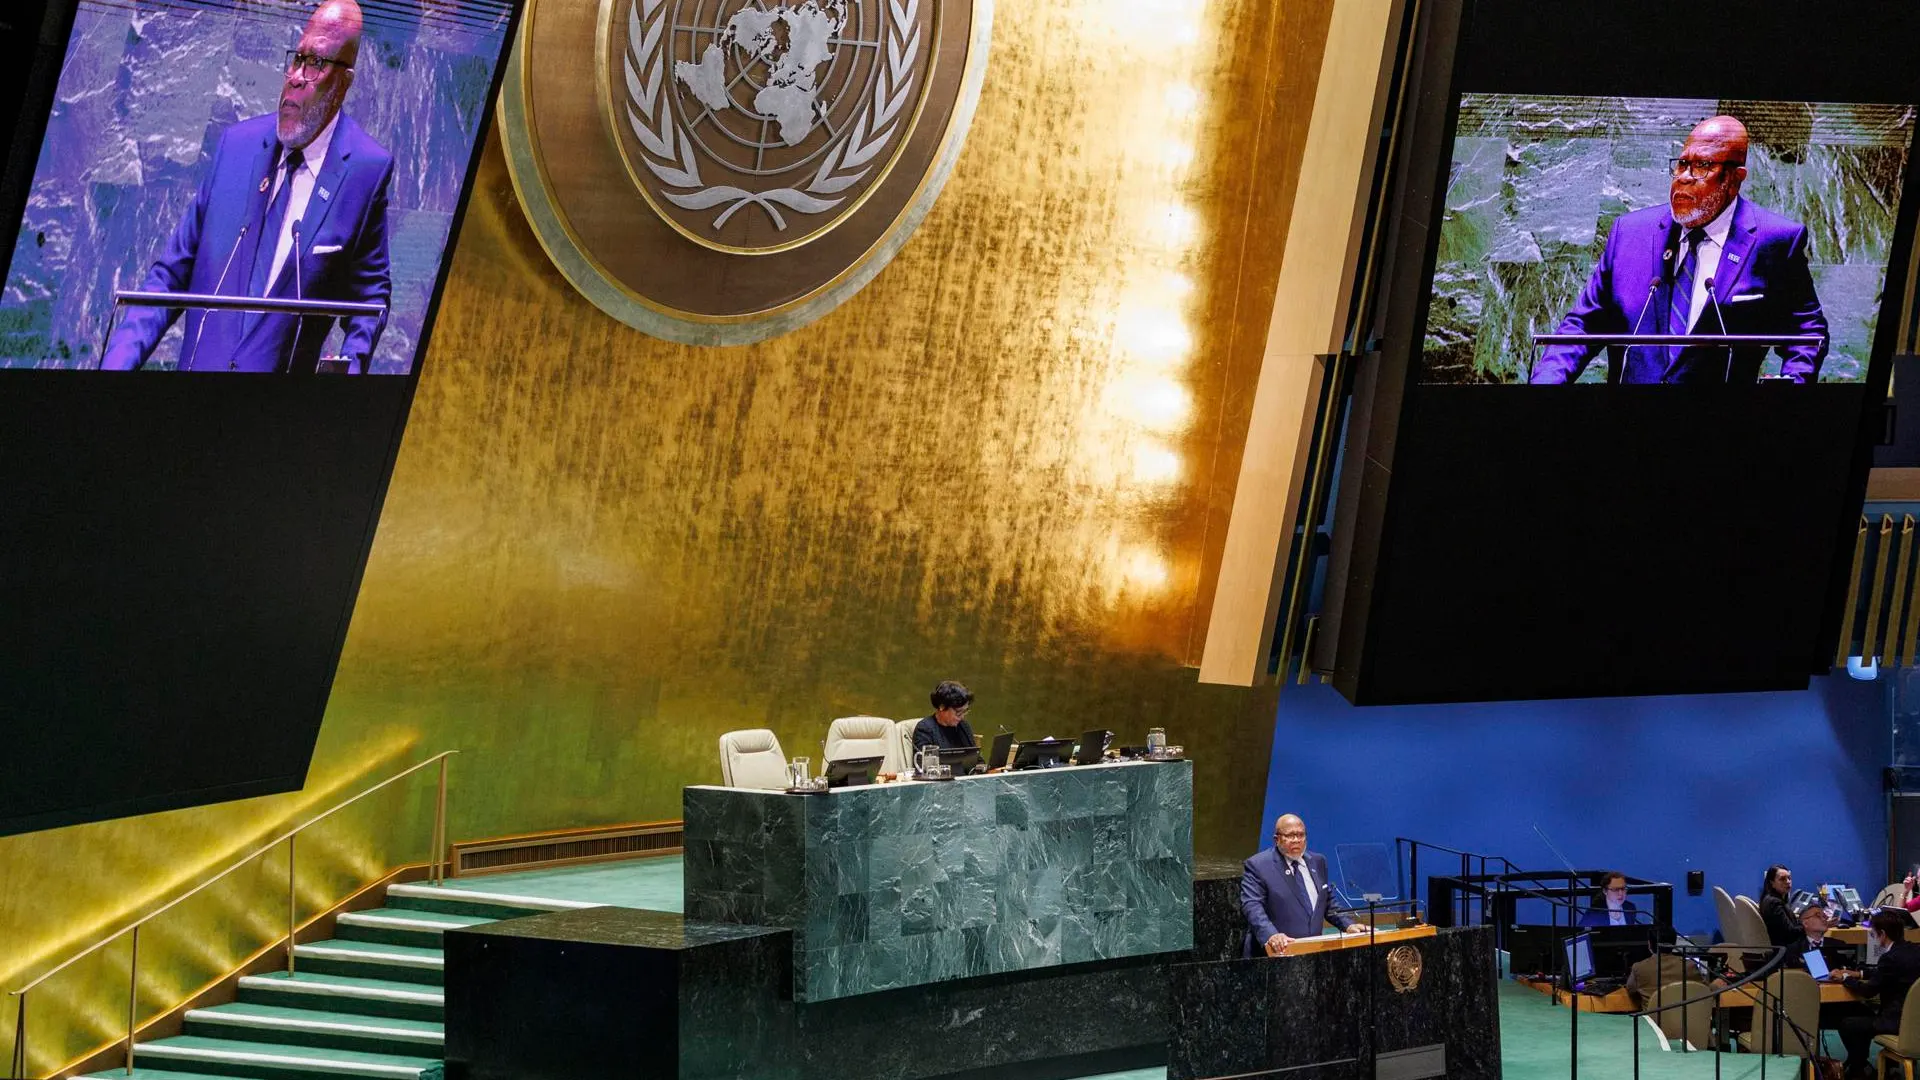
x=898, y=885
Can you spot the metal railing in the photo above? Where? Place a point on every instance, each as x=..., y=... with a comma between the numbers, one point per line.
x=436, y=873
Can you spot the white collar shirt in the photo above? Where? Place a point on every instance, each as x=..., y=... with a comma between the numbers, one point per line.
x=1706, y=261
x=314, y=157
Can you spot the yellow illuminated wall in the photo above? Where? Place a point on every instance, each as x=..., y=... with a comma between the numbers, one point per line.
x=1008, y=461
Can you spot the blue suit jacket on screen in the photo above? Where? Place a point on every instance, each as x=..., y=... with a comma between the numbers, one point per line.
x=1271, y=900
x=343, y=256
x=1763, y=286
x=1597, y=916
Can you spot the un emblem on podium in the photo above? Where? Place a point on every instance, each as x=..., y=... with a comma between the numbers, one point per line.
x=1404, y=969
x=742, y=166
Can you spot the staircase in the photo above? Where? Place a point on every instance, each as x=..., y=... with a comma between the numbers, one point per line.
x=367, y=1003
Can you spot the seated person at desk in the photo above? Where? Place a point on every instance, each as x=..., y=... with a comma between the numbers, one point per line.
x=1618, y=910
x=1285, y=893
x=947, y=728
x=1899, y=968
x=1775, y=888
x=1645, y=978
x=1813, y=938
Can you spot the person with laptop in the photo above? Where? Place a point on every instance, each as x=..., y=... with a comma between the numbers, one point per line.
x=1899, y=969
x=1814, y=947
x=947, y=728
x=1285, y=893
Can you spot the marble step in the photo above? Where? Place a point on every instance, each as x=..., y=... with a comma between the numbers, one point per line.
x=341, y=993
x=371, y=960
x=402, y=926
x=469, y=900
x=316, y=1027
x=275, y=1061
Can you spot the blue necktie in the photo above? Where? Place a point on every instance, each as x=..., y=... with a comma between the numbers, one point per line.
x=1680, y=311
x=259, y=281
x=1300, y=885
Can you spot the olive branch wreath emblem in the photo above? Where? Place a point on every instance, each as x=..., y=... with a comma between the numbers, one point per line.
x=670, y=149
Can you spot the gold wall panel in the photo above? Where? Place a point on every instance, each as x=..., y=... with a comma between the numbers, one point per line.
x=1009, y=461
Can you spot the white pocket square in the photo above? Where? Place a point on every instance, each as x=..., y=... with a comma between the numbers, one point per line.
x=325, y=249
x=1743, y=297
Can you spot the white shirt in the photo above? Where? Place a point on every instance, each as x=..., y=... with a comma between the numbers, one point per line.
x=1306, y=875
x=1706, y=264
x=315, y=156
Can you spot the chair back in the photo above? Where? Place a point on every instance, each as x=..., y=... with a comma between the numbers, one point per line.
x=1894, y=895
x=1795, y=1013
x=1692, y=1024
x=863, y=737
x=1729, y=920
x=1907, y=1039
x=904, y=731
x=752, y=759
x=1753, y=928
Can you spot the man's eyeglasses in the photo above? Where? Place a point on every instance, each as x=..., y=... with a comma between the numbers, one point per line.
x=962, y=711
x=1295, y=835
x=1697, y=169
x=299, y=63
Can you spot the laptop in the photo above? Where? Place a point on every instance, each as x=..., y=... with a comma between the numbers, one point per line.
x=1002, y=753
x=1092, y=748
x=1817, y=966
x=852, y=772
x=1580, y=974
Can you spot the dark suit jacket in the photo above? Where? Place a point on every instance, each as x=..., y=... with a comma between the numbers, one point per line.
x=928, y=732
x=1829, y=948
x=1597, y=916
x=342, y=256
x=1271, y=900
x=1763, y=286
x=1782, y=930
x=1899, y=969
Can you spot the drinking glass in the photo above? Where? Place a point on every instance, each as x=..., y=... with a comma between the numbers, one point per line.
x=797, y=772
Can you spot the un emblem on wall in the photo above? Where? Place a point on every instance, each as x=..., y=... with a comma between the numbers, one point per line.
x=737, y=168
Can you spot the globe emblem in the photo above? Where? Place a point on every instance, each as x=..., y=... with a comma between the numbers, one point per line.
x=756, y=124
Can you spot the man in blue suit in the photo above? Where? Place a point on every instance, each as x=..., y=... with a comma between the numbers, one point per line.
x=294, y=205
x=1709, y=262
x=1285, y=893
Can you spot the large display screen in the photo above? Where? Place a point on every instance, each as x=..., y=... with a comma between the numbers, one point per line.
x=1664, y=216
x=1641, y=272
x=298, y=151
x=206, y=189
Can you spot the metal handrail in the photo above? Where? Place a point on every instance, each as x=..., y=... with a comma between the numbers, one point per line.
x=436, y=873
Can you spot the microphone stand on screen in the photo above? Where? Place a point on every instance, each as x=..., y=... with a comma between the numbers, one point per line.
x=300, y=321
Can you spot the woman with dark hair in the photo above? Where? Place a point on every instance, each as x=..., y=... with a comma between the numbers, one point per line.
x=1775, y=888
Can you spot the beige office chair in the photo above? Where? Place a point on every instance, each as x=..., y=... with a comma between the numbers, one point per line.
x=752, y=759
x=1903, y=1047
x=1683, y=1023
x=1729, y=919
x=1798, y=1016
x=1894, y=895
x=1753, y=928
x=904, y=730
x=862, y=737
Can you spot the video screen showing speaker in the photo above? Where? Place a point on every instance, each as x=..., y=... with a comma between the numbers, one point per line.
x=1641, y=274
x=249, y=149
x=206, y=190
x=1767, y=223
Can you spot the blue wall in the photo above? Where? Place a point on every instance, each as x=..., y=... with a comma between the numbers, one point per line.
x=1724, y=783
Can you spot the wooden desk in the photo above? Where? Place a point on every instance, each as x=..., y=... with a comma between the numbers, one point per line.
x=1616, y=1001
x=1746, y=996
x=1330, y=942
x=1850, y=935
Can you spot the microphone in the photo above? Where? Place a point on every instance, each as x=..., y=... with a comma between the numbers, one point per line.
x=300, y=321
x=1720, y=318
x=194, y=350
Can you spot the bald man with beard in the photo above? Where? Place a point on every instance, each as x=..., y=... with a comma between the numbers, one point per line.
x=1708, y=262
x=294, y=204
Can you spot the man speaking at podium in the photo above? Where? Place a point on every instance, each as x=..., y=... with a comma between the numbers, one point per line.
x=295, y=206
x=1285, y=893
x=1709, y=262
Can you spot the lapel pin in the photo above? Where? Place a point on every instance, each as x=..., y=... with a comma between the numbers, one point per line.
x=325, y=195
x=263, y=185
x=1732, y=257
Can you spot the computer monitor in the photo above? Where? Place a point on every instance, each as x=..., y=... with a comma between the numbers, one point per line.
x=1042, y=754
x=1579, y=958
x=961, y=759
x=852, y=772
x=1816, y=965
x=1002, y=753
x=1092, y=748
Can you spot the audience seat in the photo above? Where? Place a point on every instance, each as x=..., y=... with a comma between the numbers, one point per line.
x=1800, y=1017
x=1903, y=1047
x=1729, y=919
x=862, y=737
x=1681, y=1022
x=1894, y=895
x=1753, y=928
x=904, y=729
x=752, y=759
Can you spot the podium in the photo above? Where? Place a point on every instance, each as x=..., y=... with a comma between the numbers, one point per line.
x=271, y=305
x=1408, y=1003
x=1729, y=342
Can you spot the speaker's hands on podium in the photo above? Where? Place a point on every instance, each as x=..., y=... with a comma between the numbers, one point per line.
x=1277, y=944
x=1356, y=928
